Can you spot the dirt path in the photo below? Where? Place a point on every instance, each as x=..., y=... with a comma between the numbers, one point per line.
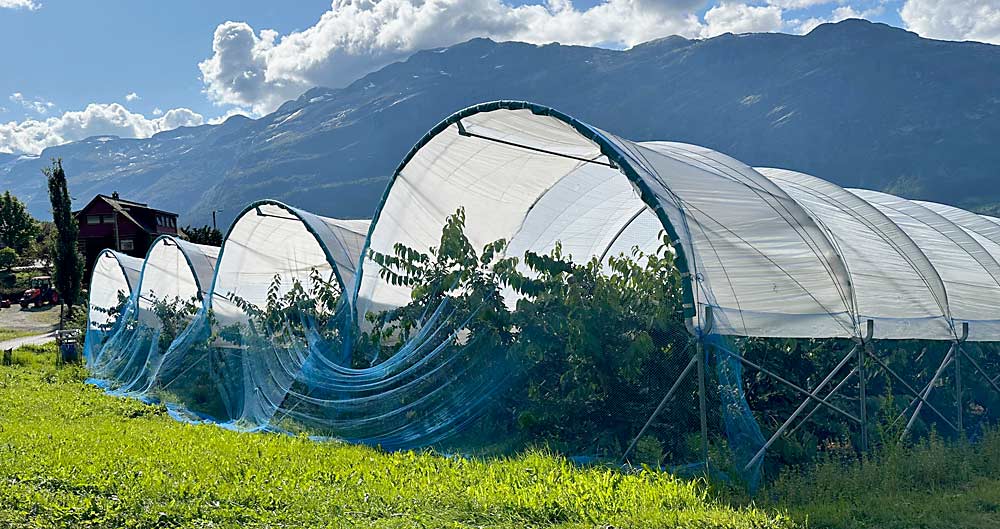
x=39, y=339
x=42, y=319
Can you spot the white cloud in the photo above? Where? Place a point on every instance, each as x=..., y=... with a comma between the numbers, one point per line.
x=131, y=96
x=30, y=5
x=954, y=19
x=741, y=18
x=841, y=13
x=259, y=70
x=229, y=113
x=38, y=105
x=157, y=111
x=31, y=136
x=799, y=4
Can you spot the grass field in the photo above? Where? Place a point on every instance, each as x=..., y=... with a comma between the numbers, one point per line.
x=71, y=456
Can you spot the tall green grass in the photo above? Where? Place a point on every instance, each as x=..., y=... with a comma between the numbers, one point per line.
x=929, y=484
x=71, y=456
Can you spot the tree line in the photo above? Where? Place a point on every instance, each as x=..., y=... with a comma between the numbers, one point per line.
x=52, y=244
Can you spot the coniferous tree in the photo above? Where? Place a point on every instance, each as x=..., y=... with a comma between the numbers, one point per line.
x=17, y=228
x=203, y=235
x=68, y=263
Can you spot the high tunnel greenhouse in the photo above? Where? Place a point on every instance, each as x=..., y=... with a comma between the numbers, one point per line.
x=528, y=278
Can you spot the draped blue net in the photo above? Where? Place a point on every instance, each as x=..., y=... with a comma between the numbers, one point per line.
x=495, y=353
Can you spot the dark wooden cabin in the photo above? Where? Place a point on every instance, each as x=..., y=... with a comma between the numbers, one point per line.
x=124, y=225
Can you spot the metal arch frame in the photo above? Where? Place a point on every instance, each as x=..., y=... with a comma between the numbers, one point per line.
x=614, y=154
x=296, y=216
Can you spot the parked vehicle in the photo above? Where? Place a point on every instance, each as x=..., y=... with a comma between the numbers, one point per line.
x=41, y=292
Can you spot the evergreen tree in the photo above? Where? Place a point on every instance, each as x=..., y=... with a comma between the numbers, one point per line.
x=17, y=228
x=68, y=263
x=203, y=235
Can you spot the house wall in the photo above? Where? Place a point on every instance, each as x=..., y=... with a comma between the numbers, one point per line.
x=94, y=238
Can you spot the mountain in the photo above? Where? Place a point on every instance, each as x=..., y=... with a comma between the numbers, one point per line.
x=858, y=103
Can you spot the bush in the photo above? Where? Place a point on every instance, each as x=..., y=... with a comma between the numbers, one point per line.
x=8, y=258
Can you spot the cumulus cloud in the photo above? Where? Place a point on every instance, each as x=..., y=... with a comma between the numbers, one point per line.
x=229, y=113
x=31, y=136
x=30, y=5
x=841, y=13
x=37, y=104
x=798, y=4
x=131, y=96
x=954, y=19
x=258, y=69
x=741, y=18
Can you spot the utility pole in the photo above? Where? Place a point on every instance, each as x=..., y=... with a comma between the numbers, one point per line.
x=214, y=211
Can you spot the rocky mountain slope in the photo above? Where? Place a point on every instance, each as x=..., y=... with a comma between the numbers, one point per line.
x=857, y=103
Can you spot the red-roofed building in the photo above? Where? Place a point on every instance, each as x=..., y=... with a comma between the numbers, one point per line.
x=123, y=225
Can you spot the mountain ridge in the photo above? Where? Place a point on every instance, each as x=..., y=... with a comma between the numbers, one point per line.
x=857, y=103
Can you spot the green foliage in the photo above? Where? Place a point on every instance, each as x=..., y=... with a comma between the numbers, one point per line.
x=203, y=235
x=287, y=316
x=455, y=272
x=113, y=313
x=68, y=275
x=587, y=341
x=17, y=227
x=75, y=457
x=8, y=258
x=174, y=315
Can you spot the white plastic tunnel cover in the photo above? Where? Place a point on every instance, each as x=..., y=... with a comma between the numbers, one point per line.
x=176, y=269
x=964, y=260
x=115, y=275
x=533, y=176
x=894, y=283
x=270, y=239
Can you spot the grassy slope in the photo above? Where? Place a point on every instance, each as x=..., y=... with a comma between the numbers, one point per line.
x=72, y=456
x=931, y=485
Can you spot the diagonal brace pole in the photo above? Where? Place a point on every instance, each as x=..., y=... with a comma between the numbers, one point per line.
x=802, y=407
x=809, y=394
x=979, y=369
x=911, y=389
x=666, y=398
x=927, y=391
x=827, y=398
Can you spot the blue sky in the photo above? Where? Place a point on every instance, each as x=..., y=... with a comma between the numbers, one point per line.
x=69, y=66
x=74, y=52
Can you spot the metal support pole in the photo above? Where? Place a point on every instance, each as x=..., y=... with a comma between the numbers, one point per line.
x=801, y=408
x=946, y=363
x=979, y=369
x=827, y=398
x=796, y=387
x=958, y=393
x=702, y=406
x=911, y=389
x=863, y=383
x=927, y=391
x=659, y=407
x=958, y=378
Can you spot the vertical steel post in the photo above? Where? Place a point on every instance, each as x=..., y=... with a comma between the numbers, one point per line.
x=958, y=380
x=863, y=383
x=702, y=397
